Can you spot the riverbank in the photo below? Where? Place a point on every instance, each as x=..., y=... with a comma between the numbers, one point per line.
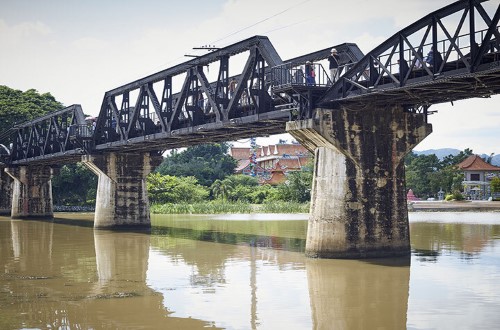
x=453, y=206
x=284, y=207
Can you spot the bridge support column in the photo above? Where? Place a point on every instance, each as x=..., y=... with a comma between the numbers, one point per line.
x=5, y=192
x=122, y=198
x=358, y=201
x=31, y=191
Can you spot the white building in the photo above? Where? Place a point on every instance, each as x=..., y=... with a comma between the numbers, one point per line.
x=477, y=177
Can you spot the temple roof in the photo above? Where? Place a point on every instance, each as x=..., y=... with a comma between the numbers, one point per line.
x=476, y=163
x=241, y=165
x=273, y=150
x=240, y=153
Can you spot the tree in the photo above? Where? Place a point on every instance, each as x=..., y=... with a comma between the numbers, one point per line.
x=171, y=189
x=489, y=158
x=221, y=189
x=418, y=174
x=426, y=175
x=206, y=162
x=75, y=184
x=495, y=185
x=455, y=160
x=242, y=187
x=297, y=187
x=17, y=106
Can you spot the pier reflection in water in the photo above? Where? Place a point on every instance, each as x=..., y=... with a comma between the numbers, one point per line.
x=243, y=272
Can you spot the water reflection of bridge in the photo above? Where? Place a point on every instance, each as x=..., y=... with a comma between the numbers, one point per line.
x=79, y=277
x=123, y=279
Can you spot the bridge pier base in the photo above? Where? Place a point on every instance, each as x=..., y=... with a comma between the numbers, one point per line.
x=122, y=198
x=31, y=192
x=358, y=200
x=5, y=192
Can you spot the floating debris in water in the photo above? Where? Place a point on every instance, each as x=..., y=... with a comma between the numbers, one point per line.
x=114, y=295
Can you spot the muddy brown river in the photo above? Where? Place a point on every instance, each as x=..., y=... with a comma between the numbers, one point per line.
x=244, y=272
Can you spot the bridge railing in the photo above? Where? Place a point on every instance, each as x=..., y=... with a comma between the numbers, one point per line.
x=294, y=74
x=455, y=56
x=82, y=131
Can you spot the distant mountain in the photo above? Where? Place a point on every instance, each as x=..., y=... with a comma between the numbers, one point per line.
x=441, y=153
x=495, y=160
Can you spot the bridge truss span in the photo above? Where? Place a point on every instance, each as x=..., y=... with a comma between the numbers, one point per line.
x=56, y=138
x=448, y=55
x=180, y=101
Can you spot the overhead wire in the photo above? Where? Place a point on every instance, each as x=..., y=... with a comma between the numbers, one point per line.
x=261, y=21
x=248, y=27
x=255, y=24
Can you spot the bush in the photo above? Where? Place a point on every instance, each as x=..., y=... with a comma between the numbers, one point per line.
x=172, y=189
x=219, y=207
x=456, y=196
x=284, y=207
x=215, y=207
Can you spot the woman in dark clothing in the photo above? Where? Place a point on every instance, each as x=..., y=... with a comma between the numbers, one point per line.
x=310, y=74
x=403, y=69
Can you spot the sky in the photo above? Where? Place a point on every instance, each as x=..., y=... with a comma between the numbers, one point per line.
x=78, y=50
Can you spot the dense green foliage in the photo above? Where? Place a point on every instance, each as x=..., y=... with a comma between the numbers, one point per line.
x=218, y=207
x=206, y=162
x=17, y=106
x=232, y=194
x=75, y=185
x=284, y=207
x=455, y=196
x=171, y=189
x=297, y=188
x=212, y=207
x=495, y=185
x=235, y=188
x=426, y=174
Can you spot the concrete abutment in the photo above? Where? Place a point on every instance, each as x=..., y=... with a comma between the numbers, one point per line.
x=5, y=192
x=358, y=200
x=31, y=191
x=122, y=198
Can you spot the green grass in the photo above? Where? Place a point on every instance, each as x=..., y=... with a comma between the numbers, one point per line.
x=284, y=207
x=218, y=207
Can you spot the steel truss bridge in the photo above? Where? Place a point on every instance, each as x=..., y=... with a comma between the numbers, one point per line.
x=180, y=106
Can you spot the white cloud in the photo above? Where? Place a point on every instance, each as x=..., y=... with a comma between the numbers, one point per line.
x=22, y=31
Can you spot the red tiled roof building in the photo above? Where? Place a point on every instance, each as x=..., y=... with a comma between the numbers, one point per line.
x=273, y=162
x=477, y=177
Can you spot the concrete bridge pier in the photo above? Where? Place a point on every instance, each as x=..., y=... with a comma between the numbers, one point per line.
x=358, y=202
x=31, y=191
x=5, y=192
x=122, y=198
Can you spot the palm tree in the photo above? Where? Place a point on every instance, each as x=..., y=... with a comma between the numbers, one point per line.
x=222, y=188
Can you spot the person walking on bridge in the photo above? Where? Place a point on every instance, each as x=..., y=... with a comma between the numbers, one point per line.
x=334, y=65
x=310, y=74
x=232, y=87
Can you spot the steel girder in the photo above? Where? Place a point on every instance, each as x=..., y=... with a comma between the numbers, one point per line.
x=52, y=138
x=467, y=37
x=251, y=109
x=197, y=103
